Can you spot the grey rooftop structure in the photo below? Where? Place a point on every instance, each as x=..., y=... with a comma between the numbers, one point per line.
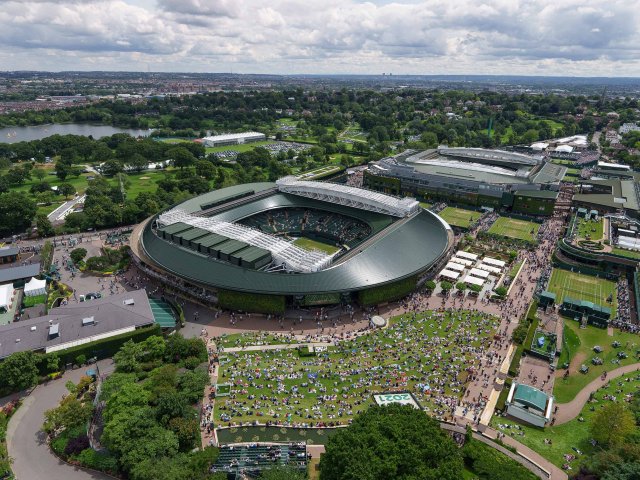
x=21, y=272
x=76, y=324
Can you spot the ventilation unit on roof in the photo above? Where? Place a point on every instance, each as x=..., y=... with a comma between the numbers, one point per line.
x=17, y=340
x=54, y=331
x=33, y=329
x=129, y=301
x=88, y=321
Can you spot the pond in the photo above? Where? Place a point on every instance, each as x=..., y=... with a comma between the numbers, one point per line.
x=38, y=132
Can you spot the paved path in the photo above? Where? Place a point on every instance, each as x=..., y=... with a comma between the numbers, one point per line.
x=32, y=459
x=569, y=411
x=279, y=346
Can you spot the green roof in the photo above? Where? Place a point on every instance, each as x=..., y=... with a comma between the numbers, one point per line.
x=211, y=240
x=537, y=193
x=549, y=295
x=176, y=227
x=193, y=234
x=531, y=397
x=162, y=313
x=231, y=246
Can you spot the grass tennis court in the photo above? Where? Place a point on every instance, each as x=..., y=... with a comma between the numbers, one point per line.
x=459, y=217
x=309, y=244
x=583, y=287
x=515, y=228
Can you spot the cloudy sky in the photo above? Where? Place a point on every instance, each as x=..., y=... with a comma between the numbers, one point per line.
x=529, y=37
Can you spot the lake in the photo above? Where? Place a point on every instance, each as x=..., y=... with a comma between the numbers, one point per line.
x=38, y=132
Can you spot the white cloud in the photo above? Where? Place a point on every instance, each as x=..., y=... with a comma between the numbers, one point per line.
x=577, y=37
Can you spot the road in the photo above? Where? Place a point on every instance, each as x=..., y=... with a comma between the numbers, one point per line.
x=26, y=442
x=63, y=210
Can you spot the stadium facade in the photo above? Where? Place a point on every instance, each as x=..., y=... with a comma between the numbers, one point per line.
x=237, y=246
x=491, y=178
x=233, y=139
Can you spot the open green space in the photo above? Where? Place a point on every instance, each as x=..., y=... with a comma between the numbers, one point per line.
x=34, y=300
x=428, y=355
x=570, y=344
x=571, y=434
x=583, y=287
x=245, y=147
x=459, y=217
x=174, y=140
x=309, y=244
x=565, y=389
x=425, y=205
x=515, y=228
x=238, y=340
x=591, y=229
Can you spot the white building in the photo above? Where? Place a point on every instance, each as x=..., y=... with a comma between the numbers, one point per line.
x=629, y=127
x=233, y=139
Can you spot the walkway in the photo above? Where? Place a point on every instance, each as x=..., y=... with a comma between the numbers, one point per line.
x=26, y=442
x=569, y=411
x=279, y=346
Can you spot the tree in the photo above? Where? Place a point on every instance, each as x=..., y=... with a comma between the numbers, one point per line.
x=16, y=212
x=39, y=173
x=181, y=157
x=430, y=285
x=77, y=255
x=45, y=229
x=137, y=162
x=394, y=441
x=612, y=424
x=71, y=413
x=19, y=371
x=445, y=286
x=66, y=189
x=282, y=473
x=127, y=359
x=205, y=169
x=622, y=471
x=501, y=291
x=461, y=286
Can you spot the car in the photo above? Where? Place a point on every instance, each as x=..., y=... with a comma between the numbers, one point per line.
x=93, y=295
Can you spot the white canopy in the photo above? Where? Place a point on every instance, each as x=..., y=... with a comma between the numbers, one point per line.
x=489, y=268
x=461, y=261
x=493, y=261
x=476, y=272
x=35, y=287
x=473, y=280
x=6, y=296
x=629, y=242
x=454, y=266
x=451, y=275
x=467, y=255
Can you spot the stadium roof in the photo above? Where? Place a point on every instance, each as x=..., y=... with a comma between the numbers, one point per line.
x=349, y=196
x=622, y=194
x=408, y=247
x=501, y=156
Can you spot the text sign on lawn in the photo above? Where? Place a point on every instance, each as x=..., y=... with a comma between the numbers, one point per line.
x=401, y=398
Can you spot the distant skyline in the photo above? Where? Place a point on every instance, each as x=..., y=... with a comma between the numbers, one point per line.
x=502, y=37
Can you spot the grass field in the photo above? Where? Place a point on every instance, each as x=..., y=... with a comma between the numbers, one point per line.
x=566, y=389
x=459, y=217
x=35, y=300
x=245, y=147
x=594, y=229
x=515, y=228
x=570, y=345
x=309, y=244
x=583, y=287
x=428, y=355
x=425, y=205
x=571, y=434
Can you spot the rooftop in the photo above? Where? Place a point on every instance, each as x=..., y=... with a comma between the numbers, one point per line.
x=109, y=314
x=232, y=136
x=9, y=251
x=12, y=274
x=531, y=397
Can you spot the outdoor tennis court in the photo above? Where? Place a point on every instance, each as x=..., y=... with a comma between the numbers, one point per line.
x=583, y=287
x=459, y=217
x=515, y=228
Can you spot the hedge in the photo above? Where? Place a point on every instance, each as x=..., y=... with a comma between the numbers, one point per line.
x=504, y=393
x=533, y=326
x=488, y=463
x=250, y=302
x=387, y=293
x=515, y=363
x=107, y=347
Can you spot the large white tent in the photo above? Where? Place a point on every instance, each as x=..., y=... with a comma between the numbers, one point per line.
x=473, y=280
x=493, y=261
x=35, y=287
x=6, y=296
x=463, y=254
x=461, y=261
x=476, y=272
x=454, y=266
x=489, y=268
x=629, y=242
x=451, y=275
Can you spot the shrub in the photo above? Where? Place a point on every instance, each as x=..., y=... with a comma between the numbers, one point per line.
x=501, y=291
x=387, y=293
x=251, y=302
x=98, y=461
x=520, y=333
x=76, y=445
x=81, y=359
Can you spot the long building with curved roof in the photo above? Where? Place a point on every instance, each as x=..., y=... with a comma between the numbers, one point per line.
x=240, y=242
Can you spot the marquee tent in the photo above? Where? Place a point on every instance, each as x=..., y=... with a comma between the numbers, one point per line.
x=494, y=262
x=35, y=287
x=451, y=275
x=476, y=272
x=470, y=256
x=473, y=280
x=461, y=261
x=6, y=296
x=454, y=266
x=489, y=268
